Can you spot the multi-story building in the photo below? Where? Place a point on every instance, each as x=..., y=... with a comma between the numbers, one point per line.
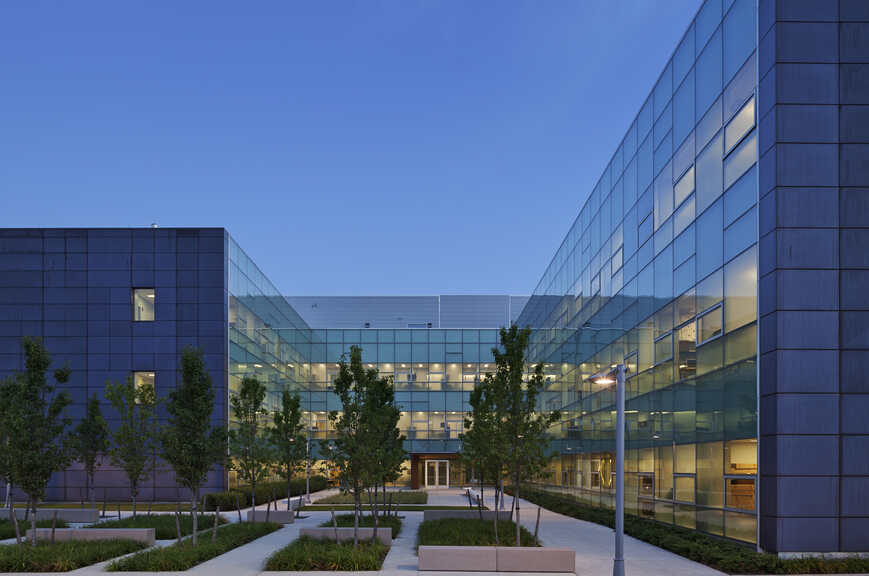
x=722, y=257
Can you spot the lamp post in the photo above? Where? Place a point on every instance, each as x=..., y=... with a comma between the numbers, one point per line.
x=308, y=465
x=607, y=378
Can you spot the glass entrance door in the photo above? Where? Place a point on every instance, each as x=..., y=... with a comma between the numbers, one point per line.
x=437, y=473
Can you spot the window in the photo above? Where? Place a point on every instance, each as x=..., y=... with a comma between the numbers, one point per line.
x=709, y=325
x=739, y=126
x=143, y=304
x=144, y=385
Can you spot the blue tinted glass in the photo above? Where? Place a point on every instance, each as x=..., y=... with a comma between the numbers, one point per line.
x=683, y=247
x=644, y=204
x=708, y=126
x=664, y=152
x=706, y=22
x=630, y=228
x=629, y=182
x=645, y=229
x=644, y=120
x=741, y=196
x=663, y=236
x=645, y=253
x=740, y=160
x=644, y=164
x=739, y=36
x=663, y=195
x=663, y=90
x=710, y=240
x=708, y=174
x=663, y=126
x=683, y=59
x=617, y=205
x=631, y=141
x=708, y=75
x=683, y=277
x=683, y=110
x=741, y=234
x=683, y=158
x=664, y=275
x=684, y=215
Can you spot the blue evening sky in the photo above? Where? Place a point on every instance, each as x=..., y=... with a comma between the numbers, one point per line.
x=402, y=147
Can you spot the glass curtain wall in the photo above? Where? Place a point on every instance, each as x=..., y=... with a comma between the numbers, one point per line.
x=659, y=271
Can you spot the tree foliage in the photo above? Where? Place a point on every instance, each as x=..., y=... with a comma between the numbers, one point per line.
x=287, y=437
x=192, y=444
x=134, y=441
x=91, y=441
x=249, y=444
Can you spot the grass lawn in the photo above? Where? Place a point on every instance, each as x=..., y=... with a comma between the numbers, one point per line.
x=62, y=556
x=164, y=524
x=467, y=532
x=178, y=557
x=309, y=554
x=724, y=555
x=367, y=521
x=7, y=529
x=405, y=497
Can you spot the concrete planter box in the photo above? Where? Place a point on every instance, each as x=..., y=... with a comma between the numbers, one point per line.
x=488, y=515
x=277, y=516
x=496, y=559
x=68, y=514
x=146, y=536
x=384, y=534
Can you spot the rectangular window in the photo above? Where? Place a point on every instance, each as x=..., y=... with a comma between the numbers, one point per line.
x=709, y=325
x=685, y=186
x=144, y=384
x=739, y=493
x=684, y=488
x=664, y=348
x=143, y=304
x=740, y=160
x=739, y=126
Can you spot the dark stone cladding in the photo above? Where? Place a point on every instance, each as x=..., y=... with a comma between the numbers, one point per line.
x=73, y=288
x=814, y=275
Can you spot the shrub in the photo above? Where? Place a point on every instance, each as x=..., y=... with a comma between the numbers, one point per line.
x=367, y=521
x=725, y=555
x=470, y=532
x=7, y=529
x=309, y=554
x=407, y=497
x=264, y=491
x=163, y=523
x=62, y=556
x=185, y=555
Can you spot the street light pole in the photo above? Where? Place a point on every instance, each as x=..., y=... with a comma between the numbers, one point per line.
x=308, y=466
x=619, y=559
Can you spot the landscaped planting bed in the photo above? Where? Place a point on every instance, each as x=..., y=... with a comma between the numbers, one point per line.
x=403, y=497
x=725, y=555
x=7, y=529
x=309, y=554
x=62, y=556
x=185, y=555
x=163, y=523
x=264, y=493
x=465, y=532
x=367, y=521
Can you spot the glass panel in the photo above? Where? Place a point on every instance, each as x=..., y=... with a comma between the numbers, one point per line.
x=741, y=344
x=685, y=516
x=431, y=472
x=143, y=304
x=740, y=160
x=443, y=474
x=710, y=458
x=685, y=488
x=740, y=493
x=739, y=126
x=687, y=355
x=709, y=325
x=683, y=110
x=739, y=36
x=684, y=216
x=708, y=174
x=741, y=234
x=741, y=196
x=710, y=240
x=685, y=186
x=741, y=526
x=707, y=74
x=144, y=379
x=740, y=290
x=664, y=348
x=740, y=456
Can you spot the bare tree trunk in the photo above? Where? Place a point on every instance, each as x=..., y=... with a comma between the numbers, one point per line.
x=53, y=525
x=8, y=501
x=495, y=516
x=194, y=502
x=216, y=522
x=357, y=497
x=374, y=511
x=289, y=487
x=133, y=494
x=14, y=518
x=238, y=508
x=178, y=523
x=516, y=503
x=253, y=497
x=334, y=524
x=33, y=522
x=537, y=528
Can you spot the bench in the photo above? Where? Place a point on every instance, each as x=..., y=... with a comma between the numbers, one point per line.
x=496, y=559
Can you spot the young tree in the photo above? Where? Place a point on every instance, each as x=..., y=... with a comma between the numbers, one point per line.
x=353, y=450
x=287, y=437
x=134, y=441
x=380, y=417
x=37, y=437
x=90, y=442
x=191, y=443
x=483, y=443
x=525, y=427
x=249, y=445
x=5, y=465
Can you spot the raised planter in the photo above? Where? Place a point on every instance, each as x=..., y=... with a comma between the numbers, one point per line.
x=276, y=516
x=146, y=536
x=82, y=515
x=496, y=559
x=488, y=515
x=384, y=534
